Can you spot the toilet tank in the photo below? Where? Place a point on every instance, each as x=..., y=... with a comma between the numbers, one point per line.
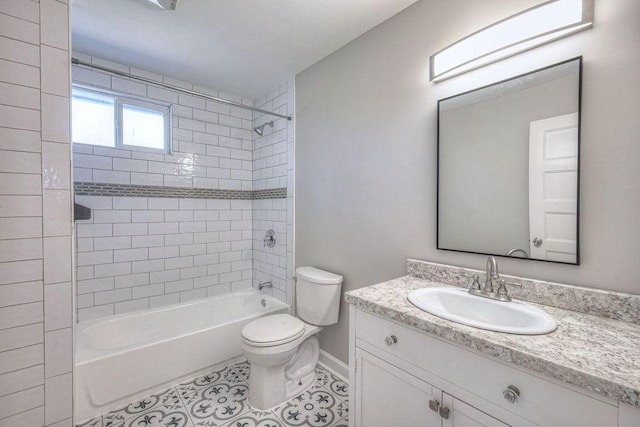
x=318, y=296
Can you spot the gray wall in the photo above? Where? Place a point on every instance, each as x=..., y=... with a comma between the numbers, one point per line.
x=366, y=139
x=484, y=166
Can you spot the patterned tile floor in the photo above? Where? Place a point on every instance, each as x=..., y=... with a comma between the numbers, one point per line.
x=219, y=399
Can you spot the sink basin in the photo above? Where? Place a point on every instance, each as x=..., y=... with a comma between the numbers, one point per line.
x=459, y=306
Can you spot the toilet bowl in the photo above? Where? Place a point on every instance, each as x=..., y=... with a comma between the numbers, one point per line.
x=282, y=364
x=283, y=350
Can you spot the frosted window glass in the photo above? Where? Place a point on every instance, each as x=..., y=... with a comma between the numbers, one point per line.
x=143, y=127
x=93, y=120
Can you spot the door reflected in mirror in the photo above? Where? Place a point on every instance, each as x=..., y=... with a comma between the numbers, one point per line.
x=508, y=167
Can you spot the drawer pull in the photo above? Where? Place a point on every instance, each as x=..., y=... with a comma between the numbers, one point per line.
x=434, y=405
x=391, y=340
x=444, y=413
x=511, y=394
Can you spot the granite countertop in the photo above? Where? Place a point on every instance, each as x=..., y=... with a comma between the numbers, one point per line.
x=596, y=353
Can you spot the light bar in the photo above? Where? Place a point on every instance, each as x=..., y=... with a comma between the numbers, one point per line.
x=518, y=33
x=165, y=4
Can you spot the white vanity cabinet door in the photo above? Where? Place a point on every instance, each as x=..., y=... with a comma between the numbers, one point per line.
x=389, y=396
x=464, y=415
x=478, y=377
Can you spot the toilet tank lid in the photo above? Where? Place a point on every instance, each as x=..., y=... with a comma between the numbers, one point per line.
x=314, y=275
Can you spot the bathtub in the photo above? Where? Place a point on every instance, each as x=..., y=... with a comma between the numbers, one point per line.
x=128, y=356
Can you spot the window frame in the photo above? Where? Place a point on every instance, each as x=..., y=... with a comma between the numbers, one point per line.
x=121, y=99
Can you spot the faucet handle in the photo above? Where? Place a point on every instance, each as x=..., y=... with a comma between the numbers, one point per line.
x=475, y=282
x=502, y=289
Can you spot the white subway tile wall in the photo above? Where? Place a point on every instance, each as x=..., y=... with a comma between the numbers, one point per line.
x=212, y=142
x=273, y=167
x=139, y=253
x=36, y=314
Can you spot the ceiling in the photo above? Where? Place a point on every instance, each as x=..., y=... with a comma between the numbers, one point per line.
x=244, y=47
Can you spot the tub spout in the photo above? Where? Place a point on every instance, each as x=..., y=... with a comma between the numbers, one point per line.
x=263, y=285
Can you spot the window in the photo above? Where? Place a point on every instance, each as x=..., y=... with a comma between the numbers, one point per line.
x=112, y=120
x=93, y=119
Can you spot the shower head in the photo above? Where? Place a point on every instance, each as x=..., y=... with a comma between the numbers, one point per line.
x=165, y=4
x=260, y=129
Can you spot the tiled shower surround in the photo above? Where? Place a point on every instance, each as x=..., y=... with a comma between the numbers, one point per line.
x=273, y=167
x=145, y=252
x=198, y=230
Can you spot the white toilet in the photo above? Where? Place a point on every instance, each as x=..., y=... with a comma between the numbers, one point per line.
x=283, y=350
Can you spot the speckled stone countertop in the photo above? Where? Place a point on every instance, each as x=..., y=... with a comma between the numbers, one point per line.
x=596, y=353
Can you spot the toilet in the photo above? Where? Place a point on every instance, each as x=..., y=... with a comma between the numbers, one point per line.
x=283, y=350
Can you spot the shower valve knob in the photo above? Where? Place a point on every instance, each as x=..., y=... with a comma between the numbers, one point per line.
x=269, y=239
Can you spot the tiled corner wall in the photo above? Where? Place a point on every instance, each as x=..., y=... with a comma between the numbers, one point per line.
x=273, y=167
x=142, y=252
x=36, y=315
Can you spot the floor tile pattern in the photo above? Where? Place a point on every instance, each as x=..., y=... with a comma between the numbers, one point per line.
x=219, y=399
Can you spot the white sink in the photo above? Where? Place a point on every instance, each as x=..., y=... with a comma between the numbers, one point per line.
x=459, y=306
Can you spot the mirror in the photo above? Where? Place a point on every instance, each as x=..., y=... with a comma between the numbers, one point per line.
x=508, y=163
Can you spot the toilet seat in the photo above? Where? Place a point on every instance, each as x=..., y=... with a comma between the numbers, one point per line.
x=273, y=330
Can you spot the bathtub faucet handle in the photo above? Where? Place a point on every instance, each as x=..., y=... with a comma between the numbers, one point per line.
x=269, y=239
x=263, y=285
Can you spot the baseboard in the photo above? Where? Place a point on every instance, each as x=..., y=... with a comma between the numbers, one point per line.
x=335, y=365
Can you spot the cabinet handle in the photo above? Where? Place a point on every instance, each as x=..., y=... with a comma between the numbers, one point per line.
x=391, y=340
x=444, y=413
x=434, y=405
x=511, y=394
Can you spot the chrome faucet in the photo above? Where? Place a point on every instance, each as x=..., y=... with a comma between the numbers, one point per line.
x=492, y=274
x=263, y=285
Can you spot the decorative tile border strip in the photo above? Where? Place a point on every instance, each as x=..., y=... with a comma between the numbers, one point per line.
x=274, y=193
x=127, y=190
x=598, y=302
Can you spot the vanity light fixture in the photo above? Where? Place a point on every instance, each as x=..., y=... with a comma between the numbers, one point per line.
x=165, y=4
x=528, y=29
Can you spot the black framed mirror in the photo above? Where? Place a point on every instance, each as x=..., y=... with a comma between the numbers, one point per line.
x=508, y=167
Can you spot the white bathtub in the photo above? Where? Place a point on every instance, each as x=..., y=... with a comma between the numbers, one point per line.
x=123, y=357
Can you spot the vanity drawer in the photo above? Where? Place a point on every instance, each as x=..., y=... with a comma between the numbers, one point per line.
x=541, y=401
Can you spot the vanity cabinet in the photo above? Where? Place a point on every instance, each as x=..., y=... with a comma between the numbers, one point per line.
x=399, y=373
x=461, y=414
x=389, y=396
